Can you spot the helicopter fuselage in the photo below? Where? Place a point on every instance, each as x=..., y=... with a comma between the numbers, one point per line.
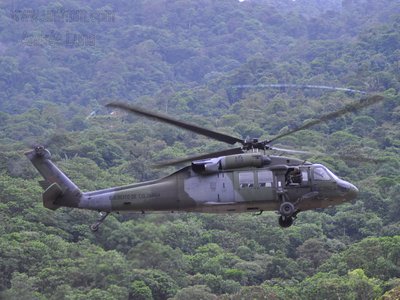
x=227, y=191
x=237, y=183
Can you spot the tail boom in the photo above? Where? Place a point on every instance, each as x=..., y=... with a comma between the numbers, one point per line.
x=61, y=191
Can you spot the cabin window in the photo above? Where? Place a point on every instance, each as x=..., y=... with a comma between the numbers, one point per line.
x=321, y=174
x=265, y=178
x=246, y=179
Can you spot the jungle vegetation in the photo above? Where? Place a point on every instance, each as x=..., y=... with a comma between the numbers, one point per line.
x=203, y=61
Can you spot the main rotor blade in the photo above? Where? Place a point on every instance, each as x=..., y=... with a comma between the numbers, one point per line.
x=364, y=102
x=359, y=158
x=185, y=125
x=350, y=157
x=199, y=157
x=290, y=150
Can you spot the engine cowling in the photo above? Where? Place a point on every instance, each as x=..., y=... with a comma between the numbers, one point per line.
x=230, y=162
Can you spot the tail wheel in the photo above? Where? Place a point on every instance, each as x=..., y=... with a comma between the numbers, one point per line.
x=94, y=227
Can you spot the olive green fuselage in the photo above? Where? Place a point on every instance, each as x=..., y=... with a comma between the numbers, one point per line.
x=235, y=183
x=238, y=190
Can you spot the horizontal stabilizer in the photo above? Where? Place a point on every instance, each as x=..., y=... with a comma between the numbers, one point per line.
x=50, y=195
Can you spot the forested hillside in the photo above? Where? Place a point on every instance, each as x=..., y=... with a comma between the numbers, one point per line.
x=210, y=63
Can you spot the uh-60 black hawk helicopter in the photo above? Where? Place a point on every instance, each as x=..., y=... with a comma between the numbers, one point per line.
x=242, y=179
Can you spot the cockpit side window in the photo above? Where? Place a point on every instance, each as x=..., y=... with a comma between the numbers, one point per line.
x=321, y=174
x=293, y=176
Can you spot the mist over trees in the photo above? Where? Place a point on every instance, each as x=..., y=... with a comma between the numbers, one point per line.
x=205, y=62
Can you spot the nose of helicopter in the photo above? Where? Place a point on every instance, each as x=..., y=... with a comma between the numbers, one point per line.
x=350, y=190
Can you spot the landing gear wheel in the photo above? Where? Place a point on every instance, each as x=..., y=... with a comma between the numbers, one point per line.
x=94, y=227
x=285, y=222
x=287, y=209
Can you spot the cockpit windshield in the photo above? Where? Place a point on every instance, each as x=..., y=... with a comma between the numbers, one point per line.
x=323, y=174
x=332, y=174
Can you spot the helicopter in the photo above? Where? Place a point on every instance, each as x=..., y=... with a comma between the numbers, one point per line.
x=235, y=180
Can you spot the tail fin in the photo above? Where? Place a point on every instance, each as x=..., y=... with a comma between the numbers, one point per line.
x=59, y=189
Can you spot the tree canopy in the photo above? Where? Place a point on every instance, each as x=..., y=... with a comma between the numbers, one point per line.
x=211, y=63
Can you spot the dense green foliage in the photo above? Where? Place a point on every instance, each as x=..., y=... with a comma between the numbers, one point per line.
x=189, y=58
